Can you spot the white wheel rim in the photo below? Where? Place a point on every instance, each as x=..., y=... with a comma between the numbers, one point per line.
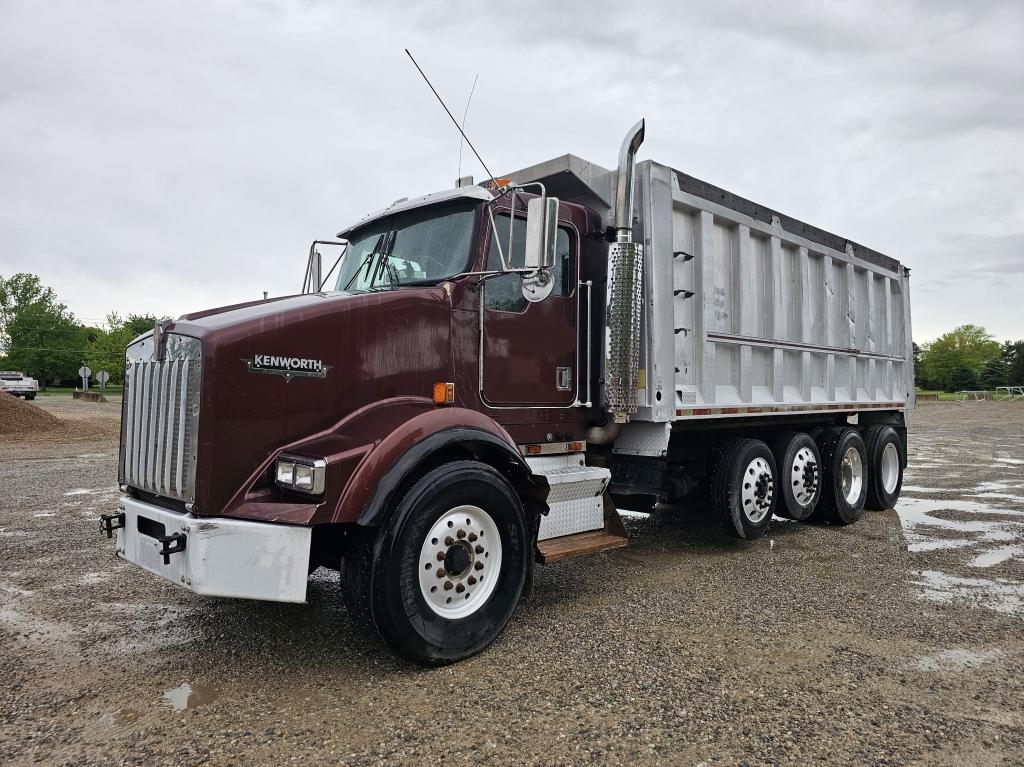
x=890, y=468
x=851, y=475
x=460, y=561
x=805, y=476
x=758, y=490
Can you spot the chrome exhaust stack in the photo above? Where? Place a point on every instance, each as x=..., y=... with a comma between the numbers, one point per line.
x=624, y=183
x=625, y=291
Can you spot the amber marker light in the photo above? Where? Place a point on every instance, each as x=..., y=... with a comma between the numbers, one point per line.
x=444, y=393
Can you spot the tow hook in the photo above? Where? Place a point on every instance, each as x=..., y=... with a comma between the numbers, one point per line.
x=171, y=544
x=111, y=522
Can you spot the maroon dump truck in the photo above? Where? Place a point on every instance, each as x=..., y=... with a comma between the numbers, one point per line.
x=489, y=372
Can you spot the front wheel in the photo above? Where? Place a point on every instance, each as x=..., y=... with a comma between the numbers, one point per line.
x=447, y=571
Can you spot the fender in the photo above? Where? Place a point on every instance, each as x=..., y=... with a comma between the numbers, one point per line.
x=368, y=495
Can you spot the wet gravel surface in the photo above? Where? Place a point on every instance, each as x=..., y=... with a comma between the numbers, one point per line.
x=895, y=641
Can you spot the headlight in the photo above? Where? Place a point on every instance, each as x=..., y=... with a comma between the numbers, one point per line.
x=306, y=475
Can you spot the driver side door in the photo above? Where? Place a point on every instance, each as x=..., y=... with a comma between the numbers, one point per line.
x=530, y=349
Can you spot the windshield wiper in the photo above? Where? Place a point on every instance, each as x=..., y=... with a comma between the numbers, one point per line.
x=366, y=262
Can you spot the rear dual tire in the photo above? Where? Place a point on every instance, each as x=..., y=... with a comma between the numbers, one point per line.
x=886, y=457
x=845, y=475
x=743, y=488
x=799, y=464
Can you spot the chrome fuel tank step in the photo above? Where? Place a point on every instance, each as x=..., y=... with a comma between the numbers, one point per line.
x=575, y=496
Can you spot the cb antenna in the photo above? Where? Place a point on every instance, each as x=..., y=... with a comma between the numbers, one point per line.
x=458, y=173
x=450, y=115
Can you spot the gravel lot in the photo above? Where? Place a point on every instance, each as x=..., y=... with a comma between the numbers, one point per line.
x=895, y=641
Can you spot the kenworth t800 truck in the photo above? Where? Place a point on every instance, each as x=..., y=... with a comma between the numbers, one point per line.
x=489, y=372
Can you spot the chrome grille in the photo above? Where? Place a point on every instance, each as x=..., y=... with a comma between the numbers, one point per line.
x=161, y=420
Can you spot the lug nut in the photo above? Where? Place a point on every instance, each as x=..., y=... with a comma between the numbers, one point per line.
x=441, y=573
x=472, y=537
x=440, y=556
x=448, y=541
x=460, y=588
x=461, y=534
x=478, y=549
x=448, y=586
x=478, y=566
x=471, y=580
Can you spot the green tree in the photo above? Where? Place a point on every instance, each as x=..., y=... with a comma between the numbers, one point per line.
x=959, y=356
x=995, y=373
x=140, y=323
x=1013, y=356
x=37, y=333
x=106, y=352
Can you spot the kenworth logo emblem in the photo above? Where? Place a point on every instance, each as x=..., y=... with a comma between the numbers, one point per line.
x=287, y=367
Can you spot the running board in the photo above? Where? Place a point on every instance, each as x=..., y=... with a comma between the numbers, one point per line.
x=578, y=545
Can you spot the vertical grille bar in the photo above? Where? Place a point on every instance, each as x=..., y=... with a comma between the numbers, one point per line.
x=182, y=415
x=171, y=412
x=129, y=420
x=143, y=430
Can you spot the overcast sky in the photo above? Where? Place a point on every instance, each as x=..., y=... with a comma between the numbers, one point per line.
x=166, y=157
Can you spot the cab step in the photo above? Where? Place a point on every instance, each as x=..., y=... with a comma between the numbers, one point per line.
x=578, y=545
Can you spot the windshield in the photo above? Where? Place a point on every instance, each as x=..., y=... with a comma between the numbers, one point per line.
x=424, y=245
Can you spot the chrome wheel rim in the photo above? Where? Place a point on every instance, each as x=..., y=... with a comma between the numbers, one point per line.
x=758, y=490
x=890, y=468
x=459, y=563
x=805, y=476
x=851, y=475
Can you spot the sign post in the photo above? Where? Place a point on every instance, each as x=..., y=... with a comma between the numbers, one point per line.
x=85, y=372
x=103, y=376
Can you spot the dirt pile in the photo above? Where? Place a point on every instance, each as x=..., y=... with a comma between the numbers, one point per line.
x=19, y=417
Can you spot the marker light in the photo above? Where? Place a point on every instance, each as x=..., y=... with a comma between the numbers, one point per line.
x=444, y=393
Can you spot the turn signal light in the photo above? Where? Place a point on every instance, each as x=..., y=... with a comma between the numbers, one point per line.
x=444, y=393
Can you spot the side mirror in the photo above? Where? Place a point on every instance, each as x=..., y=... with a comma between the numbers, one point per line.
x=315, y=270
x=541, y=232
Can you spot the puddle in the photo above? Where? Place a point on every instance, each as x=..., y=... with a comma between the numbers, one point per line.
x=996, y=594
x=917, y=489
x=956, y=659
x=186, y=696
x=997, y=556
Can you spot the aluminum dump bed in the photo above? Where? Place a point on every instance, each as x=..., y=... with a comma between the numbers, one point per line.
x=746, y=310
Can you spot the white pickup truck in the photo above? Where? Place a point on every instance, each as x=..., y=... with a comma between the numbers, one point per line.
x=17, y=383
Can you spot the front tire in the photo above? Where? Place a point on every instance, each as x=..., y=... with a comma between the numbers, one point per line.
x=742, y=488
x=886, y=461
x=844, y=485
x=447, y=570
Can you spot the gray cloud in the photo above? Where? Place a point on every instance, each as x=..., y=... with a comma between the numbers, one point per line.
x=171, y=156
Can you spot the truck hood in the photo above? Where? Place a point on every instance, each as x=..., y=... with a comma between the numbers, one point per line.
x=278, y=371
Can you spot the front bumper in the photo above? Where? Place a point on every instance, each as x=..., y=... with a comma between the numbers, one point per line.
x=221, y=557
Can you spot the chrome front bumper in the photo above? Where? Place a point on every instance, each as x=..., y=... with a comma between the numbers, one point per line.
x=216, y=556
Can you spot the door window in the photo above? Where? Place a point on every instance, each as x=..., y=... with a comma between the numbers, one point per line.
x=505, y=293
